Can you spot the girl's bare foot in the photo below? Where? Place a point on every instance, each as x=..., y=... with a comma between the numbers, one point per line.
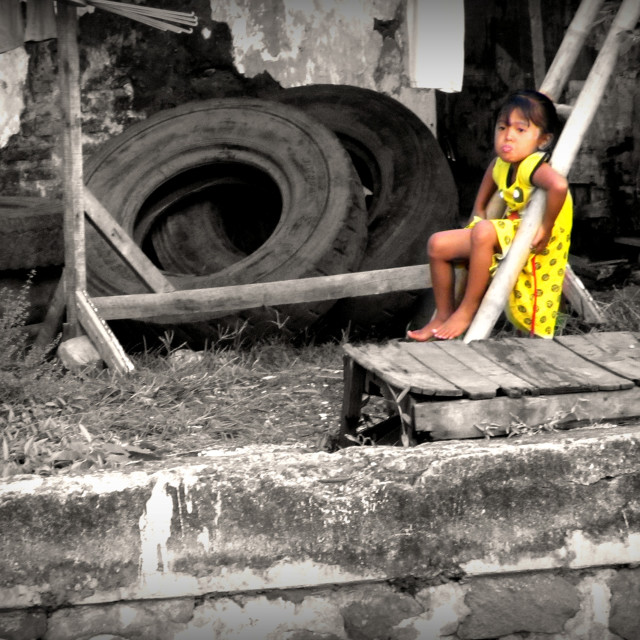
x=454, y=327
x=426, y=333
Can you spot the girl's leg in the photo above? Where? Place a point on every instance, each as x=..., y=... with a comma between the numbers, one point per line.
x=443, y=249
x=484, y=243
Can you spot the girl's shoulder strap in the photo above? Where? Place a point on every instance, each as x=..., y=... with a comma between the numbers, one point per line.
x=530, y=164
x=500, y=171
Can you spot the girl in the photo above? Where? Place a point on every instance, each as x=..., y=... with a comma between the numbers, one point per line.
x=526, y=127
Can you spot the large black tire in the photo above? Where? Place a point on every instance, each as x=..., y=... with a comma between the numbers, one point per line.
x=321, y=221
x=413, y=193
x=30, y=232
x=166, y=228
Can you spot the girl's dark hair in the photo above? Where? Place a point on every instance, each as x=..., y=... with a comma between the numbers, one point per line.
x=536, y=107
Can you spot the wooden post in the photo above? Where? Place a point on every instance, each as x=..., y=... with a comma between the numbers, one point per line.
x=54, y=318
x=594, y=87
x=72, y=178
x=122, y=243
x=98, y=330
x=537, y=41
x=565, y=58
x=564, y=154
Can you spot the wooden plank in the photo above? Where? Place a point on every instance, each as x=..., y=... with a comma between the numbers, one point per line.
x=570, y=47
x=122, y=243
x=508, y=383
x=568, y=369
x=400, y=370
x=617, y=352
x=536, y=364
x=105, y=342
x=52, y=323
x=354, y=382
x=473, y=418
x=632, y=241
x=197, y=303
x=72, y=172
x=580, y=299
x=473, y=384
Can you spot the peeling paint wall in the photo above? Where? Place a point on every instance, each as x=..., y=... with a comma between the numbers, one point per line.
x=13, y=75
x=300, y=42
x=457, y=540
x=305, y=41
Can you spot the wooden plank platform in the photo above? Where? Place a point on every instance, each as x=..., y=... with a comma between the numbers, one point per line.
x=455, y=390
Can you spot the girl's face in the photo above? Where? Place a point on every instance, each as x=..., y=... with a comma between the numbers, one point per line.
x=516, y=137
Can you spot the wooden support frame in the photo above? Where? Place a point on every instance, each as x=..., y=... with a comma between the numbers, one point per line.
x=353, y=389
x=72, y=174
x=70, y=295
x=499, y=416
x=122, y=243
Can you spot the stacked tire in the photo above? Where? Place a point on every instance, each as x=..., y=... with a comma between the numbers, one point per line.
x=311, y=181
x=411, y=190
x=224, y=192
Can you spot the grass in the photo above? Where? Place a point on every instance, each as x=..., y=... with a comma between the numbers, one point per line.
x=178, y=403
x=171, y=406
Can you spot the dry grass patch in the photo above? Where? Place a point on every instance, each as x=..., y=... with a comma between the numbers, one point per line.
x=172, y=405
x=178, y=403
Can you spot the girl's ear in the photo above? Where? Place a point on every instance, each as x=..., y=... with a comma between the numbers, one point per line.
x=545, y=141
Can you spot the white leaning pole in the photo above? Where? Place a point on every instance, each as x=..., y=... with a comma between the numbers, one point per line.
x=565, y=152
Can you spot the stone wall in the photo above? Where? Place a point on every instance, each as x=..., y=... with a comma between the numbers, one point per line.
x=533, y=537
x=597, y=605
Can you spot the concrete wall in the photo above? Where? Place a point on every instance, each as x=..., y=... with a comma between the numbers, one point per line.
x=499, y=538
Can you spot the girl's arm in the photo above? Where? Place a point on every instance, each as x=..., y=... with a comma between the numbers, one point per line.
x=486, y=189
x=556, y=185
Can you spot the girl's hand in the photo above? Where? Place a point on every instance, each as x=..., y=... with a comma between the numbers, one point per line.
x=540, y=240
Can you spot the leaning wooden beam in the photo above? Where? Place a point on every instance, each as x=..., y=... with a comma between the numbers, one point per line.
x=54, y=317
x=572, y=288
x=580, y=299
x=72, y=178
x=105, y=342
x=566, y=56
x=594, y=87
x=537, y=41
x=195, y=304
x=122, y=243
x=497, y=416
x=563, y=156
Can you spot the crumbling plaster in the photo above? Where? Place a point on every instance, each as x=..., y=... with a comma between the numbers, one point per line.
x=306, y=42
x=301, y=42
x=13, y=75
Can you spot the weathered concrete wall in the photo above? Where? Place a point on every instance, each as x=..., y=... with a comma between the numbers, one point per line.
x=299, y=42
x=469, y=539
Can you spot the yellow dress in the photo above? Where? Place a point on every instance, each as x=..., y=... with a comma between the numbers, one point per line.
x=533, y=303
